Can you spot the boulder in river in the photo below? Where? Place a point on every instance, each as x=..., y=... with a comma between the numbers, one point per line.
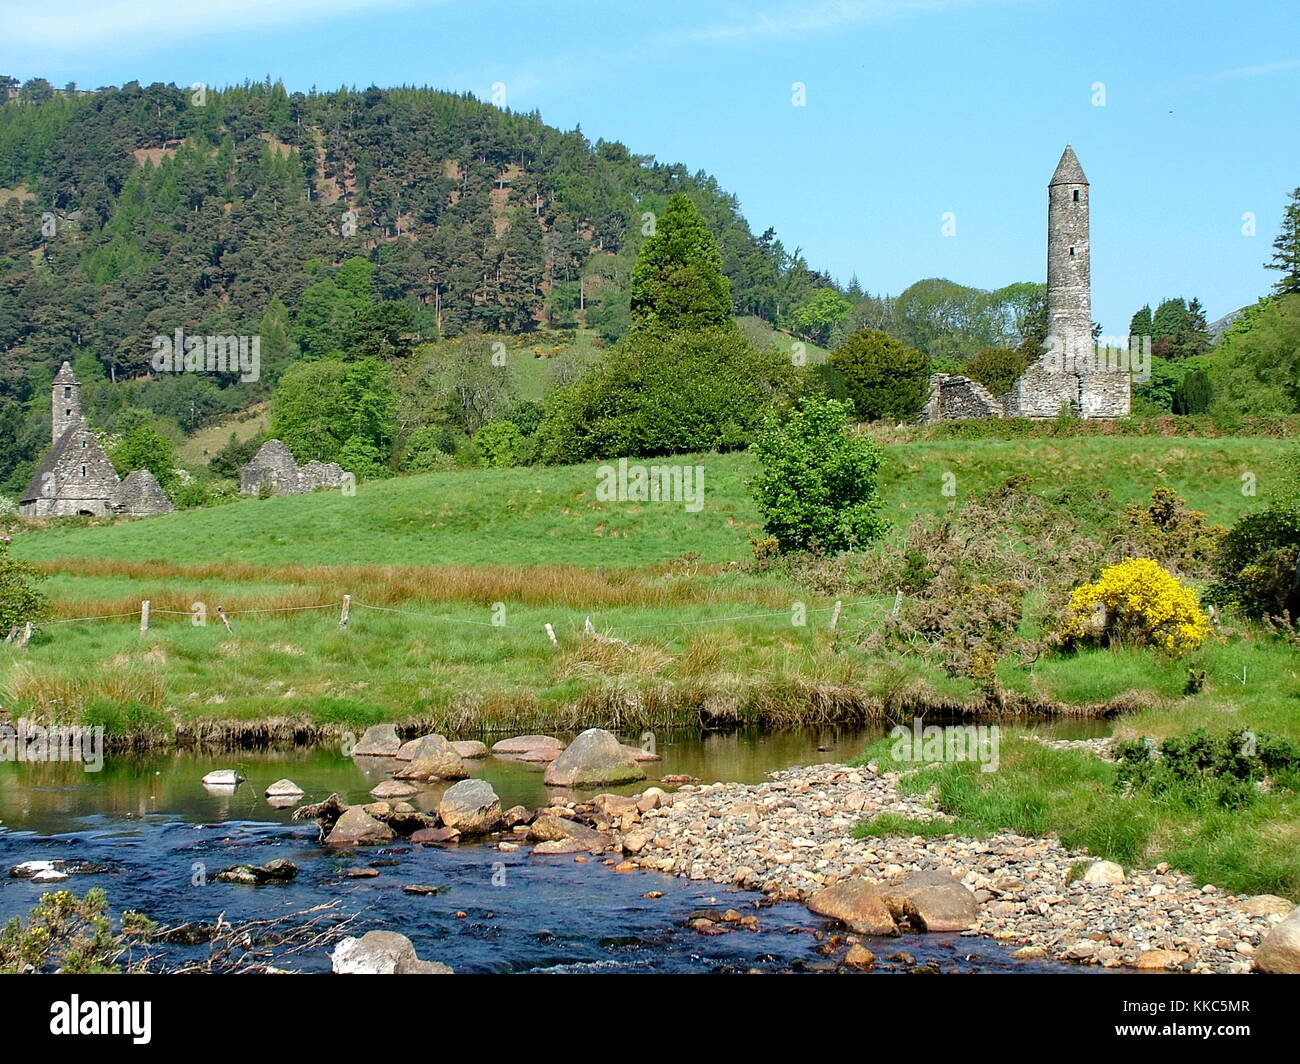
x=1279, y=953
x=471, y=807
x=379, y=740
x=471, y=749
x=381, y=953
x=933, y=900
x=529, y=747
x=636, y=753
x=434, y=758
x=594, y=759
x=222, y=777
x=284, y=789
x=394, y=789
x=355, y=827
x=856, y=902
x=278, y=871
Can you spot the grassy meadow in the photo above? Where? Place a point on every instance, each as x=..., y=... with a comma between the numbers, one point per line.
x=454, y=575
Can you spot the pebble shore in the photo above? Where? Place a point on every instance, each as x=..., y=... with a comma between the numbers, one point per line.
x=792, y=835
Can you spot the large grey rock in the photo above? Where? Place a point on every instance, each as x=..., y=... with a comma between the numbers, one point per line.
x=356, y=827
x=470, y=748
x=381, y=953
x=285, y=788
x=857, y=903
x=1279, y=953
x=471, y=807
x=933, y=900
x=379, y=740
x=594, y=759
x=434, y=758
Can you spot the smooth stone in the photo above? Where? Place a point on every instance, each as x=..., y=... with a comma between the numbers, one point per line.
x=936, y=900
x=284, y=789
x=1267, y=905
x=595, y=758
x=471, y=807
x=222, y=777
x=858, y=903
x=1279, y=953
x=1104, y=873
x=434, y=758
x=379, y=740
x=394, y=789
x=470, y=748
x=524, y=744
x=356, y=826
x=381, y=953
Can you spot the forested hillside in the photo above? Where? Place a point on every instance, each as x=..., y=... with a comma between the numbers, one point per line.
x=130, y=212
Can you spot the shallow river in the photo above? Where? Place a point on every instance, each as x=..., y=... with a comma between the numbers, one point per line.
x=162, y=837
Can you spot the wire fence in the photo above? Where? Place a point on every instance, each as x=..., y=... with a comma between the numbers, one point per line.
x=146, y=613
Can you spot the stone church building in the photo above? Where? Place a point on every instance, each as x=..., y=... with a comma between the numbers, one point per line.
x=1068, y=376
x=76, y=476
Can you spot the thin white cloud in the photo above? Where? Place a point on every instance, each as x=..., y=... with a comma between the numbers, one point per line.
x=81, y=25
x=804, y=18
x=1257, y=71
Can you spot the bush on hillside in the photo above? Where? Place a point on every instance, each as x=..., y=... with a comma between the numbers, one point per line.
x=653, y=395
x=501, y=444
x=884, y=378
x=817, y=489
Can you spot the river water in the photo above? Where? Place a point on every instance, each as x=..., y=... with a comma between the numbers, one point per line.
x=161, y=837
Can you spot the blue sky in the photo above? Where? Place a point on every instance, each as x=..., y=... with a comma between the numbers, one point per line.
x=914, y=108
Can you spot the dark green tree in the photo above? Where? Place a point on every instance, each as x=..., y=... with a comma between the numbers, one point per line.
x=884, y=378
x=677, y=282
x=1286, y=249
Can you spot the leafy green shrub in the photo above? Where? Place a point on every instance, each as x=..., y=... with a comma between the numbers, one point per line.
x=500, y=443
x=817, y=489
x=656, y=395
x=1255, y=567
x=64, y=933
x=884, y=378
x=1203, y=770
x=21, y=601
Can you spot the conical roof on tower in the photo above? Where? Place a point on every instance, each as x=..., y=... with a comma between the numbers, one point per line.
x=65, y=375
x=1068, y=170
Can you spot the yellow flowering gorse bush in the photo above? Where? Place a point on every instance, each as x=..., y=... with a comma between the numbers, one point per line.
x=1139, y=603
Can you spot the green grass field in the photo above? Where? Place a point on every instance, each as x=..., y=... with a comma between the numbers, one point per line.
x=433, y=562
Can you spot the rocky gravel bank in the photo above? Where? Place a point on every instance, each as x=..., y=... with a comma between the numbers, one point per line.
x=791, y=836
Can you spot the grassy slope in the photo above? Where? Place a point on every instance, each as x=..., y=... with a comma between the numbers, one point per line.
x=551, y=515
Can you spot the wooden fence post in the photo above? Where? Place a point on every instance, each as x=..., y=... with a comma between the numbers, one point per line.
x=224, y=619
x=835, y=614
x=144, y=617
x=343, y=619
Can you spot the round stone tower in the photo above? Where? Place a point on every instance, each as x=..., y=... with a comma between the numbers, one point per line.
x=1069, y=297
x=66, y=399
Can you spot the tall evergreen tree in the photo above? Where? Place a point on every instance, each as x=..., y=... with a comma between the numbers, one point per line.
x=678, y=283
x=1286, y=249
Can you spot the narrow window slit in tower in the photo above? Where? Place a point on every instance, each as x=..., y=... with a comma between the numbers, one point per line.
x=1076, y=195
